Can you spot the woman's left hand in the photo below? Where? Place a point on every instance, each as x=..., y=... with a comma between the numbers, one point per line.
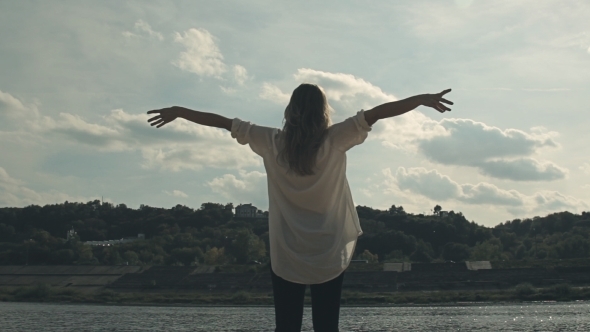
x=436, y=101
x=165, y=116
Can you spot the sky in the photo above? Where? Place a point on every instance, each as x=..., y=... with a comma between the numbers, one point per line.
x=77, y=77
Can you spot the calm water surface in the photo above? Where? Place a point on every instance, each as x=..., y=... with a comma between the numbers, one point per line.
x=526, y=317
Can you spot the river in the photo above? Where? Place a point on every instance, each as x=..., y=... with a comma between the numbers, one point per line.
x=574, y=316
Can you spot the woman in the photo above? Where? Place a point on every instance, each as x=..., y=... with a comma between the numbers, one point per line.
x=313, y=224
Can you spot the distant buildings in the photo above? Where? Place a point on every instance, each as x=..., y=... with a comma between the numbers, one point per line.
x=249, y=211
x=109, y=243
x=70, y=234
x=406, y=266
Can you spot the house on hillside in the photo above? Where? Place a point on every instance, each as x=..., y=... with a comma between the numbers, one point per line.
x=71, y=234
x=246, y=211
x=249, y=211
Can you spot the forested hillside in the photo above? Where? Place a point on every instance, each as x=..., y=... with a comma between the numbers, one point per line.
x=211, y=235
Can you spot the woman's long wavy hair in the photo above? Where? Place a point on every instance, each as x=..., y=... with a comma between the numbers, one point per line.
x=307, y=118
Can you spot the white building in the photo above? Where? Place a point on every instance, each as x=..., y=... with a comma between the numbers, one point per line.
x=108, y=243
x=70, y=235
x=246, y=211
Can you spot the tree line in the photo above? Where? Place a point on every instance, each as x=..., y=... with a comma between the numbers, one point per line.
x=211, y=235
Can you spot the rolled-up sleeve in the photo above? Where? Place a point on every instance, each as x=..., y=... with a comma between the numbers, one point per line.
x=258, y=137
x=239, y=130
x=350, y=132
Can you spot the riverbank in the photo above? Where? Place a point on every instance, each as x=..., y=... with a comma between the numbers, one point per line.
x=364, y=285
x=521, y=293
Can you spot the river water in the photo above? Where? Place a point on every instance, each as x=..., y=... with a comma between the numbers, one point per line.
x=513, y=317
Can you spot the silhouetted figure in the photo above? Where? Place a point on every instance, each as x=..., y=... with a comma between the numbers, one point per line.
x=313, y=224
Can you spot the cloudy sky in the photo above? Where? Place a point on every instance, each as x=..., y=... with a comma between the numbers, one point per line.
x=76, y=78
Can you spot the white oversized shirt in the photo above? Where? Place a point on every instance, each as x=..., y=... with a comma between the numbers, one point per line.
x=313, y=224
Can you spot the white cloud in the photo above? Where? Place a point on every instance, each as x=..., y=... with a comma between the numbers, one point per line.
x=495, y=152
x=345, y=92
x=240, y=74
x=14, y=113
x=404, y=132
x=522, y=169
x=29, y=121
x=551, y=201
x=227, y=90
x=143, y=30
x=202, y=55
x=207, y=154
x=273, y=93
x=339, y=86
x=585, y=168
x=180, y=145
x=466, y=141
x=499, y=153
x=14, y=193
x=435, y=19
x=144, y=27
x=486, y=193
x=9, y=104
x=76, y=128
x=248, y=187
x=176, y=193
x=350, y=94
x=427, y=183
x=439, y=187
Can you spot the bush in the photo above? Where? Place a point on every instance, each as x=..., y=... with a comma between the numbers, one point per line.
x=38, y=292
x=367, y=255
x=241, y=297
x=524, y=290
x=106, y=295
x=456, y=252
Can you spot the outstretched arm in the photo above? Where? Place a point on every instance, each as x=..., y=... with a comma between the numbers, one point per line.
x=399, y=107
x=171, y=113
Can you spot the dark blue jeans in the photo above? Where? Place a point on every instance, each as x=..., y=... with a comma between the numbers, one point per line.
x=325, y=304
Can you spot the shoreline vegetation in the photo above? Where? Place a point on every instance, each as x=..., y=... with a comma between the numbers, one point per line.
x=522, y=293
x=124, y=243
x=101, y=233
